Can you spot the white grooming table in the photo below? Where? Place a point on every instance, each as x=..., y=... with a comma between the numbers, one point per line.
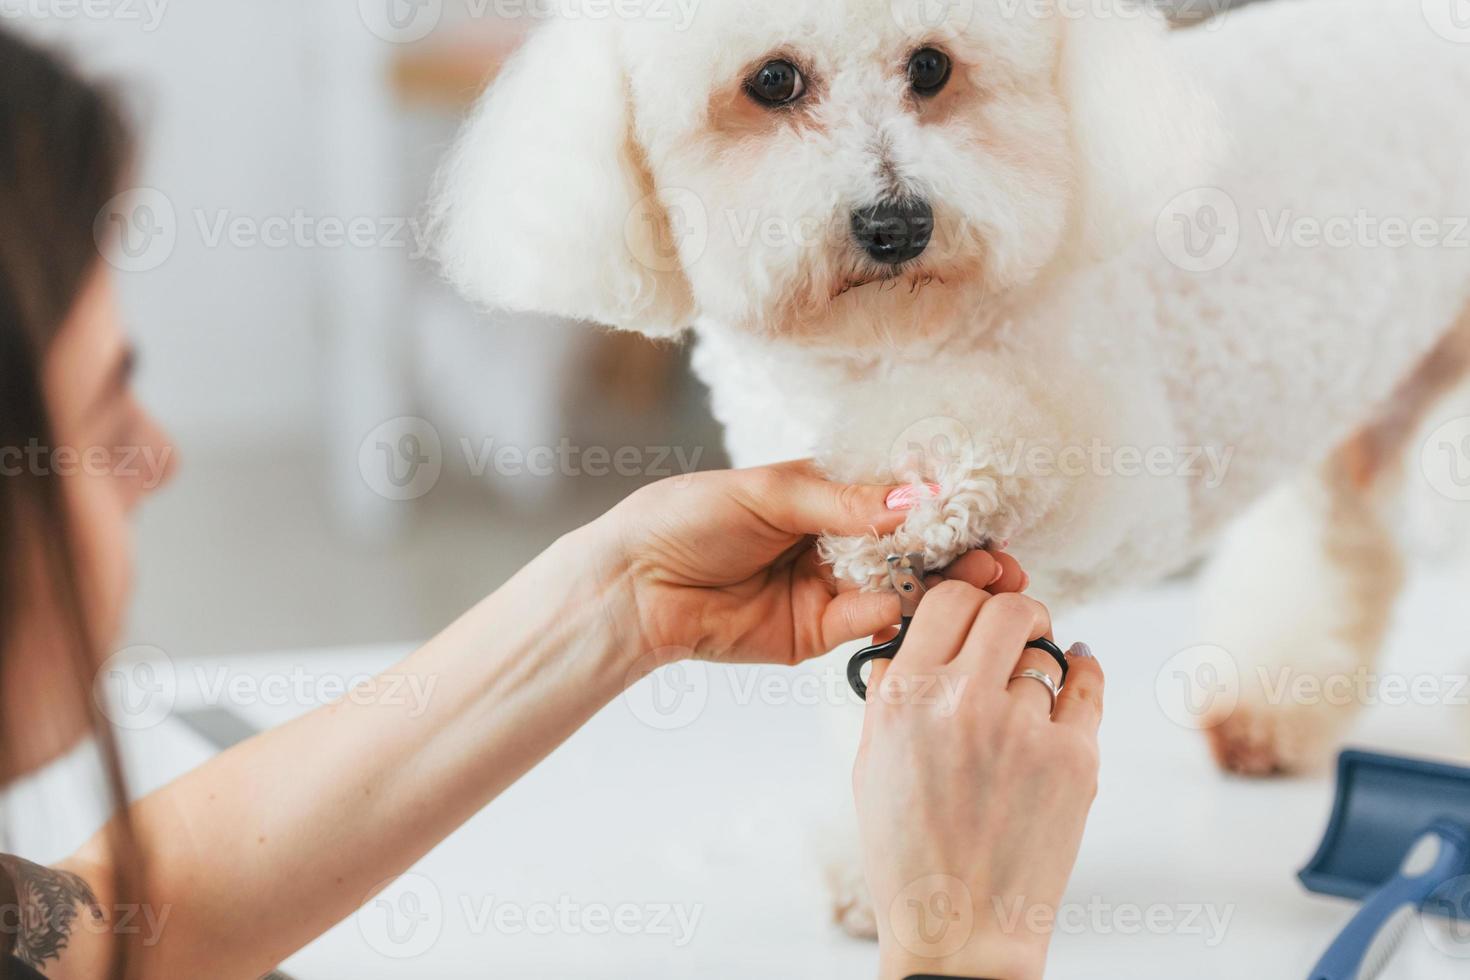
x=582, y=868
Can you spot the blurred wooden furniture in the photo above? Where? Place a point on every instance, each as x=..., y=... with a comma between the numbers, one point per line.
x=448, y=74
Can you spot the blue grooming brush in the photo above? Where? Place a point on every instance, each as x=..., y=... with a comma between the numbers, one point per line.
x=1399, y=837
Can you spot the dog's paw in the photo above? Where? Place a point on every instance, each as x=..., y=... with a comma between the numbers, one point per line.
x=852, y=904
x=942, y=525
x=1262, y=739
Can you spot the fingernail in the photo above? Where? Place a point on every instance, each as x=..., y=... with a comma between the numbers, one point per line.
x=1025, y=581
x=999, y=571
x=1081, y=651
x=909, y=497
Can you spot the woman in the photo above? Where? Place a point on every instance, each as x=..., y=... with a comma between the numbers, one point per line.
x=267, y=846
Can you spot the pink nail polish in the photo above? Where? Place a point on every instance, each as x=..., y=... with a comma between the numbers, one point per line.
x=909, y=497
x=999, y=571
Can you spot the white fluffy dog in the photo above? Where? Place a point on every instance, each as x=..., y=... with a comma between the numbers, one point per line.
x=1106, y=284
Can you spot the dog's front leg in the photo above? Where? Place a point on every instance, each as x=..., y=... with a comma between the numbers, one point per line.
x=1061, y=464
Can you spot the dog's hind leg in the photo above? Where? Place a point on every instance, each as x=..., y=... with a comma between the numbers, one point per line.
x=1298, y=595
x=1301, y=591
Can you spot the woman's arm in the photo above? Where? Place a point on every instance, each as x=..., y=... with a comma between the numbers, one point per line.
x=267, y=846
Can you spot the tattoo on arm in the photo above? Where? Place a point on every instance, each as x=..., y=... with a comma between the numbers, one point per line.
x=46, y=905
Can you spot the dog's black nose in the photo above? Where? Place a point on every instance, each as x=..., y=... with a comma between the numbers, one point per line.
x=894, y=231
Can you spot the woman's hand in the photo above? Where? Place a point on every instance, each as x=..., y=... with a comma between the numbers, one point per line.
x=723, y=565
x=971, y=799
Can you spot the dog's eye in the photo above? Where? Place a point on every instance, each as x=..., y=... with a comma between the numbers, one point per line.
x=928, y=70
x=776, y=83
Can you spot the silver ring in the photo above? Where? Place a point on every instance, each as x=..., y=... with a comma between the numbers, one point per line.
x=1041, y=676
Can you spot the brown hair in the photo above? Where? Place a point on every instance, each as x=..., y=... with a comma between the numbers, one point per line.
x=64, y=151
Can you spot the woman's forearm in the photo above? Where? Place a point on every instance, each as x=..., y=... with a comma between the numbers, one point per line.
x=273, y=842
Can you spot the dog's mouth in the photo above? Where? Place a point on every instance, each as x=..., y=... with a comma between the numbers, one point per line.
x=914, y=278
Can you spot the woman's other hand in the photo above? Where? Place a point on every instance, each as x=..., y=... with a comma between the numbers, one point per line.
x=971, y=795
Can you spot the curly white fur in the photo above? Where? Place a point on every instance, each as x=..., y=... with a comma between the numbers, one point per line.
x=618, y=173
x=1071, y=360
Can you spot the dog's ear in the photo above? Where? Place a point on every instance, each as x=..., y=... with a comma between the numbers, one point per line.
x=1142, y=131
x=545, y=204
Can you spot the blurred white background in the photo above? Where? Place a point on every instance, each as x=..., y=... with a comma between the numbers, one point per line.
x=285, y=311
